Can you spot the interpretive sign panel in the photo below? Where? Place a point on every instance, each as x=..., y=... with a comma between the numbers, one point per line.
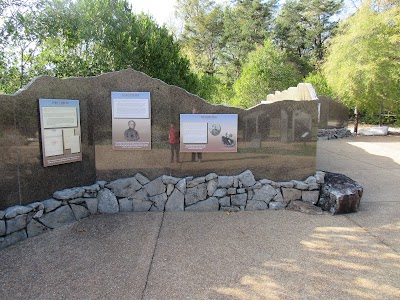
x=131, y=120
x=208, y=132
x=60, y=131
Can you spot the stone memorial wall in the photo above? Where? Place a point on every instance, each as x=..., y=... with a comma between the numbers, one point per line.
x=276, y=141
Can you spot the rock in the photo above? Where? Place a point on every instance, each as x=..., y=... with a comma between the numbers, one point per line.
x=107, y=202
x=250, y=194
x=256, y=205
x=311, y=197
x=258, y=185
x=170, y=180
x=38, y=214
x=170, y=189
x=59, y=217
x=125, y=205
x=181, y=186
x=68, y=194
x=175, y=202
x=91, y=204
x=211, y=176
x=79, y=211
x=383, y=130
x=2, y=214
x=211, y=204
x=212, y=186
x=220, y=192
x=35, y=228
x=265, y=193
x=241, y=191
x=92, y=188
x=13, y=238
x=102, y=183
x=231, y=191
x=310, y=179
x=265, y=181
x=90, y=195
x=141, y=205
x=277, y=205
x=225, y=181
x=196, y=181
x=225, y=201
x=15, y=224
x=36, y=206
x=305, y=207
x=13, y=211
x=155, y=187
x=247, y=178
x=278, y=197
x=286, y=184
x=195, y=194
x=125, y=187
x=290, y=194
x=159, y=201
x=239, y=199
x=77, y=201
x=300, y=185
x=340, y=194
x=141, y=195
x=2, y=228
x=236, y=182
x=313, y=186
x=320, y=177
x=51, y=204
x=142, y=179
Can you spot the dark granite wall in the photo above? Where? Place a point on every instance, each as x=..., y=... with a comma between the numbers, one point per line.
x=333, y=114
x=275, y=141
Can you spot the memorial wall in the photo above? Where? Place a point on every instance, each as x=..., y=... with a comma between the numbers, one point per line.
x=122, y=127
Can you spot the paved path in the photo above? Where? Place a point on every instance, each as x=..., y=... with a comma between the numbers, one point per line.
x=246, y=255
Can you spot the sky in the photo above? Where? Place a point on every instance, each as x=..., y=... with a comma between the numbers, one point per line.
x=163, y=10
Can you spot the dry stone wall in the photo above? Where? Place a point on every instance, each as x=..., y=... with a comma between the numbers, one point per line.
x=166, y=193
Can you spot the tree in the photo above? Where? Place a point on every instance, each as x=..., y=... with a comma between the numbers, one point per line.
x=303, y=28
x=318, y=81
x=363, y=65
x=266, y=71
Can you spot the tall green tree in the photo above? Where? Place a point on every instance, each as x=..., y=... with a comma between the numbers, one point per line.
x=303, y=28
x=363, y=65
x=266, y=71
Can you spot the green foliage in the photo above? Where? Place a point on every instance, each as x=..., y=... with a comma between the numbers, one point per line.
x=266, y=71
x=303, y=28
x=363, y=65
x=318, y=81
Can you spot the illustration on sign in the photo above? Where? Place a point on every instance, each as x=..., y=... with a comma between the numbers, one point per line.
x=131, y=120
x=208, y=132
x=60, y=131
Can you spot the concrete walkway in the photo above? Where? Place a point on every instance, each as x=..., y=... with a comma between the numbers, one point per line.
x=245, y=255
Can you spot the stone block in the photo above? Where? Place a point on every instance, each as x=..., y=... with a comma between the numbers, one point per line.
x=196, y=181
x=159, y=201
x=141, y=194
x=15, y=224
x=79, y=211
x=311, y=197
x=13, y=211
x=36, y=206
x=277, y=205
x=35, y=228
x=231, y=191
x=2, y=228
x=141, y=205
x=195, y=194
x=175, y=202
x=212, y=186
x=59, y=217
x=239, y=199
x=181, y=185
x=107, y=202
x=211, y=176
x=170, y=189
x=68, y=194
x=225, y=201
x=256, y=205
x=124, y=187
x=291, y=194
x=225, y=181
x=155, y=187
x=247, y=178
x=125, y=205
x=142, y=179
x=266, y=193
x=211, y=204
x=94, y=188
x=170, y=179
x=91, y=204
x=51, y=204
x=300, y=185
x=220, y=192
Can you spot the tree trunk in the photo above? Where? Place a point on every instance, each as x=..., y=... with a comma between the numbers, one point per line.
x=356, y=120
x=380, y=113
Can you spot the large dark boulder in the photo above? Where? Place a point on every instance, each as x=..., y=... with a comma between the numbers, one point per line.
x=340, y=194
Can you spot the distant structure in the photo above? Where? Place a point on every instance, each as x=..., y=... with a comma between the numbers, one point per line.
x=303, y=91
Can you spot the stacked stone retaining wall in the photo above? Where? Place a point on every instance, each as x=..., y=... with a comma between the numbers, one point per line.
x=333, y=133
x=167, y=193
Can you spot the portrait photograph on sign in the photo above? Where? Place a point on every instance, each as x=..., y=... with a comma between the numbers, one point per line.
x=208, y=132
x=60, y=131
x=131, y=120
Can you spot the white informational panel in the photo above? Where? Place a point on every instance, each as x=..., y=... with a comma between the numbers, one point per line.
x=60, y=131
x=131, y=120
x=208, y=132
